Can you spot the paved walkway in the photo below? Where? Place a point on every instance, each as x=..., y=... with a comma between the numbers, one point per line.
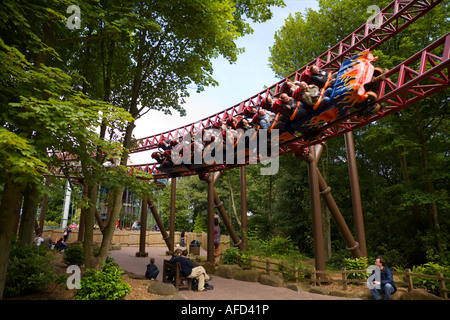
x=224, y=289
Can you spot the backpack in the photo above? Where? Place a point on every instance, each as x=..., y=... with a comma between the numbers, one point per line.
x=194, y=284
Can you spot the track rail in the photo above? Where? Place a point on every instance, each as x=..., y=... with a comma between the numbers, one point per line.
x=395, y=17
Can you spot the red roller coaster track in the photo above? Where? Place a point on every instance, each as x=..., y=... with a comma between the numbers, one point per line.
x=422, y=75
x=417, y=78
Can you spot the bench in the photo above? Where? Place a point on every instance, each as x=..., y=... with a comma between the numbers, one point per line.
x=172, y=274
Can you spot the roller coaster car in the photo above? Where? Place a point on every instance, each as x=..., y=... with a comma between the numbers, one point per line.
x=354, y=89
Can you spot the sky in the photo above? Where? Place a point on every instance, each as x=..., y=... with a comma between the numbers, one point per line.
x=237, y=82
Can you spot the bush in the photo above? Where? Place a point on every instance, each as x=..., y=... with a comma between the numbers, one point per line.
x=104, y=284
x=74, y=254
x=29, y=270
x=278, y=246
x=231, y=256
x=356, y=264
x=431, y=269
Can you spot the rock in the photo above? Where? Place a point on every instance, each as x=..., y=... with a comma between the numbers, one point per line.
x=209, y=267
x=227, y=271
x=248, y=275
x=137, y=276
x=344, y=294
x=319, y=290
x=115, y=246
x=172, y=297
x=416, y=294
x=271, y=280
x=292, y=286
x=161, y=288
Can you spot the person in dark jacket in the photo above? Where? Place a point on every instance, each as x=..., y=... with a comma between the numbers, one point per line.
x=387, y=285
x=152, y=270
x=190, y=271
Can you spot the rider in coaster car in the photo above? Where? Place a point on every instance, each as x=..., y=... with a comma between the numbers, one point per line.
x=317, y=76
x=266, y=103
x=263, y=118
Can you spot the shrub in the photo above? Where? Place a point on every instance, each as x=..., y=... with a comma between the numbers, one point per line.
x=29, y=270
x=74, y=254
x=231, y=256
x=278, y=246
x=104, y=284
x=356, y=264
x=431, y=269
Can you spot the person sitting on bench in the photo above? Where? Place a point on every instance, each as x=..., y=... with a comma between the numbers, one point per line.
x=190, y=271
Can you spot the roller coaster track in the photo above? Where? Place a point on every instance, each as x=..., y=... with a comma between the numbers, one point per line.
x=422, y=75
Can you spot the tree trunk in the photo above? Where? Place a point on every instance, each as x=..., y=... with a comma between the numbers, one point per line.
x=10, y=197
x=29, y=212
x=89, y=215
x=108, y=231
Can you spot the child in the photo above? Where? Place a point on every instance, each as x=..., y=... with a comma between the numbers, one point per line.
x=152, y=270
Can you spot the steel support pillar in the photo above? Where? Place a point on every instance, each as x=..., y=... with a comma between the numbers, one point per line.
x=173, y=191
x=160, y=224
x=243, y=176
x=355, y=191
x=143, y=231
x=210, y=222
x=325, y=192
x=218, y=204
x=319, y=252
x=226, y=220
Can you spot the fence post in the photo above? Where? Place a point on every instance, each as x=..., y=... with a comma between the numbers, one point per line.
x=344, y=280
x=409, y=280
x=442, y=288
x=313, y=276
x=268, y=266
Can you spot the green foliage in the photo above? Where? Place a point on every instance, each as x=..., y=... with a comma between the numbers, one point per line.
x=74, y=254
x=104, y=284
x=199, y=224
x=431, y=269
x=356, y=264
x=277, y=246
x=231, y=256
x=29, y=270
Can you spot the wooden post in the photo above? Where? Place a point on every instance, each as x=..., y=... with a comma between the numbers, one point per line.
x=409, y=280
x=344, y=280
x=313, y=276
x=442, y=288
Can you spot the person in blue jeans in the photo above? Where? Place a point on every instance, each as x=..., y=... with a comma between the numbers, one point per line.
x=387, y=285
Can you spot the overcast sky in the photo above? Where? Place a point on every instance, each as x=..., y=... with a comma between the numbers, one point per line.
x=237, y=82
